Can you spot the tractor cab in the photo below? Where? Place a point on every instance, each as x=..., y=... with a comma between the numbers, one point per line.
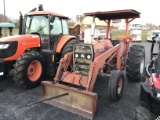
x=48, y=25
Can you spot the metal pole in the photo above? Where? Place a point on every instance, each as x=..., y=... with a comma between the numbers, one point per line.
x=4, y=16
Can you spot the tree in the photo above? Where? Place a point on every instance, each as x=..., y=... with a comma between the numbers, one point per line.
x=71, y=23
x=3, y=18
x=7, y=19
x=152, y=26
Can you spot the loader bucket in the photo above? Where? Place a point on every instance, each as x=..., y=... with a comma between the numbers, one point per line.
x=79, y=102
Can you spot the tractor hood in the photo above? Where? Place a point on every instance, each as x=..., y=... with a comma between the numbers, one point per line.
x=13, y=46
x=20, y=38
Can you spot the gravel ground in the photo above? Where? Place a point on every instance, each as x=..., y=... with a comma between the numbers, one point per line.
x=13, y=101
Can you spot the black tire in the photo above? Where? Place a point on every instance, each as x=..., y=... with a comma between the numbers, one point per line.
x=113, y=85
x=20, y=72
x=69, y=46
x=142, y=113
x=135, y=66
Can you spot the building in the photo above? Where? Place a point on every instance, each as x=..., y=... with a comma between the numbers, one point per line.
x=132, y=25
x=86, y=21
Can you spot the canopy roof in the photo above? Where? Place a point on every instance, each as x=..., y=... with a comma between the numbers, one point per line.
x=117, y=14
x=6, y=25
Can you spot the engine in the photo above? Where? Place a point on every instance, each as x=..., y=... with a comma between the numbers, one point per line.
x=84, y=54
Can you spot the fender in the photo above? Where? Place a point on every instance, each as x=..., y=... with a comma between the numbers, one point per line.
x=64, y=39
x=24, y=42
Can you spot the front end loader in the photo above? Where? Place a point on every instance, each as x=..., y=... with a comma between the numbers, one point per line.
x=72, y=86
x=34, y=54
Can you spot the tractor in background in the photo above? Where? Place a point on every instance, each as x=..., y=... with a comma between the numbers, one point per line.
x=43, y=39
x=5, y=25
x=72, y=87
x=150, y=87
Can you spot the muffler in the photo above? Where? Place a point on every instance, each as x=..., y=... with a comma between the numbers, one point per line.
x=77, y=101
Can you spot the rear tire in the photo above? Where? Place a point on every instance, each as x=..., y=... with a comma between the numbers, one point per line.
x=115, y=86
x=68, y=47
x=29, y=70
x=142, y=113
x=135, y=67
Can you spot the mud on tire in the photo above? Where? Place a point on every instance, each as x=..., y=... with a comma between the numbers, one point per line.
x=22, y=77
x=135, y=65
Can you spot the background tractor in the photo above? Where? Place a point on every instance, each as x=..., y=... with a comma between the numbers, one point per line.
x=72, y=86
x=33, y=54
x=150, y=87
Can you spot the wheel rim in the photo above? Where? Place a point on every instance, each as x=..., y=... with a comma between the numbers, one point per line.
x=120, y=84
x=142, y=65
x=34, y=70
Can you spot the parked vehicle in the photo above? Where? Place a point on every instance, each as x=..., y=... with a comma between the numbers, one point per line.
x=151, y=34
x=10, y=27
x=136, y=35
x=34, y=54
x=150, y=87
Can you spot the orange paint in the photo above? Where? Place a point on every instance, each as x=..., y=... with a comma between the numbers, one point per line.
x=63, y=41
x=46, y=13
x=24, y=42
x=34, y=70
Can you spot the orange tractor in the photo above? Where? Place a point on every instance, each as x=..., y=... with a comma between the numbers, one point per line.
x=43, y=39
x=72, y=86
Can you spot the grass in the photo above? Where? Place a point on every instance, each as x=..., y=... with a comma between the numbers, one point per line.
x=115, y=33
x=14, y=32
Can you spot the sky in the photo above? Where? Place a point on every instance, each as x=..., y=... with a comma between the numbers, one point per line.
x=149, y=9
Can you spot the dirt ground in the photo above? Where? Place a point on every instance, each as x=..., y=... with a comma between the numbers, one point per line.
x=14, y=100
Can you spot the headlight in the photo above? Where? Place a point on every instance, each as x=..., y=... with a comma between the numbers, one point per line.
x=127, y=39
x=82, y=55
x=88, y=56
x=76, y=55
x=4, y=46
x=158, y=95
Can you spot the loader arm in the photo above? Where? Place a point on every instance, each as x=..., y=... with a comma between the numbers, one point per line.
x=99, y=62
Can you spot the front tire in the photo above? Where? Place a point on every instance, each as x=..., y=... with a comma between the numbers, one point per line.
x=115, y=86
x=29, y=70
x=135, y=67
